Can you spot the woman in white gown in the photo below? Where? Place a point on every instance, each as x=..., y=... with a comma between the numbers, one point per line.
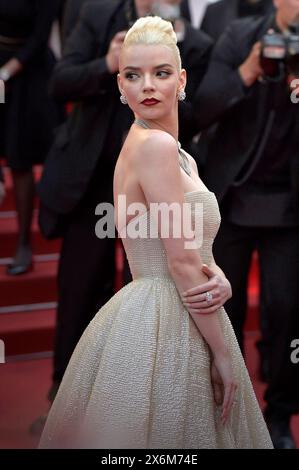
x=150, y=370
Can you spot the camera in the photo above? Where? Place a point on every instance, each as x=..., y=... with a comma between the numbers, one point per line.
x=280, y=53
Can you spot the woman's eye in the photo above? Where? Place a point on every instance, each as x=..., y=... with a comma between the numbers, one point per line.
x=163, y=73
x=131, y=75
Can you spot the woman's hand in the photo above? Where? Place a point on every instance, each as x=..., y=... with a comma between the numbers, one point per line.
x=223, y=383
x=210, y=296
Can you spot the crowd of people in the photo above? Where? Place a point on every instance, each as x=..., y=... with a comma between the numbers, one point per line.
x=237, y=120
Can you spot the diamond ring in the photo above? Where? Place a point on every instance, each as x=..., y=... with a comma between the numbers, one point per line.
x=209, y=297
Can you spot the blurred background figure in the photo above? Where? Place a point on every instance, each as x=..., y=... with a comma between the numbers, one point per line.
x=194, y=10
x=191, y=10
x=2, y=188
x=70, y=16
x=252, y=166
x=28, y=116
x=218, y=15
x=79, y=171
x=55, y=40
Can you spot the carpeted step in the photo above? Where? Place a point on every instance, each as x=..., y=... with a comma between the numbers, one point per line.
x=33, y=287
x=27, y=384
x=27, y=332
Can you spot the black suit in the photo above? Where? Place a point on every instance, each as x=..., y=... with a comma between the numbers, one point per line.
x=185, y=10
x=246, y=117
x=71, y=15
x=81, y=176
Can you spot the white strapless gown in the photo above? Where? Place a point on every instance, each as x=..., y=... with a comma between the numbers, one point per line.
x=140, y=374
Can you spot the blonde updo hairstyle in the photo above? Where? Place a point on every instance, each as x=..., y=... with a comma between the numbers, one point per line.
x=153, y=30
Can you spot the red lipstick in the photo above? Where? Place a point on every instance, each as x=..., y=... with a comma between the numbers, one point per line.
x=150, y=101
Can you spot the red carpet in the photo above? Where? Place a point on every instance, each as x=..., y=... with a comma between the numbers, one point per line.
x=24, y=386
x=27, y=322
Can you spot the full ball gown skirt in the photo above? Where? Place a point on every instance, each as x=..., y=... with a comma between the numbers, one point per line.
x=140, y=374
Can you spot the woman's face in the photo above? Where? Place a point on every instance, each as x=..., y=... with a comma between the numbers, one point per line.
x=150, y=80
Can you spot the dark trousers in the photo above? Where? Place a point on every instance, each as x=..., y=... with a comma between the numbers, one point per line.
x=85, y=282
x=278, y=250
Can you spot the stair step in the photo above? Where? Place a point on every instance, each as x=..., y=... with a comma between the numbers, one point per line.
x=28, y=332
x=33, y=287
x=8, y=237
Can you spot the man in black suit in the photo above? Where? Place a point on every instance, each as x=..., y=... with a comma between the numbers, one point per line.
x=253, y=167
x=193, y=11
x=90, y=141
x=73, y=7
x=220, y=14
x=70, y=16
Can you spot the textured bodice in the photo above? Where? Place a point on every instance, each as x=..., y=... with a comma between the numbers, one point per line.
x=147, y=256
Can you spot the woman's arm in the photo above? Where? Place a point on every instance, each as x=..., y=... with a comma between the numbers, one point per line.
x=159, y=176
x=218, y=285
x=160, y=179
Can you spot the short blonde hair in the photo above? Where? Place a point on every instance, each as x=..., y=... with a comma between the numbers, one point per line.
x=153, y=30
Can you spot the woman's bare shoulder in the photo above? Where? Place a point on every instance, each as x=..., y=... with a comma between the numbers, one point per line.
x=151, y=145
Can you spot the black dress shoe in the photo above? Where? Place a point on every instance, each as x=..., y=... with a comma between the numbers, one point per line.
x=280, y=433
x=17, y=269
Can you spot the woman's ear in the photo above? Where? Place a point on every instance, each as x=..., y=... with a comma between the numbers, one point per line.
x=119, y=83
x=183, y=79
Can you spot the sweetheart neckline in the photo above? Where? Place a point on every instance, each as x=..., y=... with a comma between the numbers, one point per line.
x=199, y=191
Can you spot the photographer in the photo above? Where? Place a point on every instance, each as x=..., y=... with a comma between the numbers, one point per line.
x=220, y=14
x=253, y=168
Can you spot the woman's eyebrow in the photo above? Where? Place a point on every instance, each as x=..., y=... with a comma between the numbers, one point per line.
x=131, y=67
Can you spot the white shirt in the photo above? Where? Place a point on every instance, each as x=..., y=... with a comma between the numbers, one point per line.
x=197, y=10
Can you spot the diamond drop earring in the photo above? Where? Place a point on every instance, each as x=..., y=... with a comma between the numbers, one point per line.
x=123, y=99
x=181, y=95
